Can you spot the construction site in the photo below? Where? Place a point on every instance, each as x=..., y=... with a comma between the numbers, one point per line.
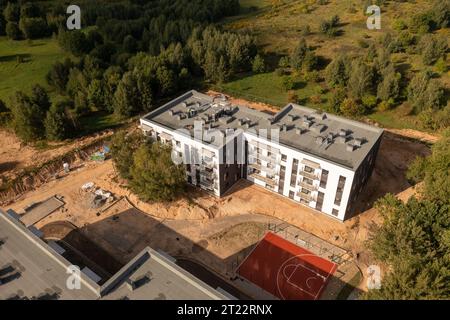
x=79, y=202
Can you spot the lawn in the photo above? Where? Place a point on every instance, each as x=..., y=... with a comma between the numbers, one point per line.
x=37, y=56
x=268, y=88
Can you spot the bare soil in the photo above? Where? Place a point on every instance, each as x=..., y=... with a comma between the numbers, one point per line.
x=16, y=156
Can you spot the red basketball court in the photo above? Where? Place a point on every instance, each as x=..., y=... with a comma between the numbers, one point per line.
x=287, y=271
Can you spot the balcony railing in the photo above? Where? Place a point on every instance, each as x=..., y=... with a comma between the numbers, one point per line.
x=270, y=171
x=309, y=175
x=307, y=197
x=308, y=186
x=269, y=181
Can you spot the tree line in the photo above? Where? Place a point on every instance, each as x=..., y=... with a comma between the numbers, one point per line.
x=134, y=56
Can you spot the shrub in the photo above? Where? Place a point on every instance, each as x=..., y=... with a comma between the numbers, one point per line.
x=258, y=65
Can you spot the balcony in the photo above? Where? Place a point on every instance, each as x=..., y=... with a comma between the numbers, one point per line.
x=210, y=175
x=266, y=180
x=307, y=197
x=309, y=175
x=270, y=171
x=309, y=187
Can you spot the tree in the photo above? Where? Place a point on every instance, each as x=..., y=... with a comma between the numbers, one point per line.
x=123, y=146
x=441, y=13
x=58, y=76
x=40, y=97
x=74, y=42
x=434, y=170
x=432, y=48
x=337, y=98
x=58, y=125
x=298, y=55
x=338, y=71
x=12, y=31
x=12, y=12
x=129, y=44
x=414, y=241
x=361, y=79
x=350, y=108
x=3, y=107
x=126, y=97
x=96, y=95
x=27, y=118
x=425, y=93
x=154, y=175
x=258, y=65
x=389, y=87
x=33, y=28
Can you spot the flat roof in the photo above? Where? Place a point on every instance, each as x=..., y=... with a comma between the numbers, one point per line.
x=301, y=128
x=30, y=268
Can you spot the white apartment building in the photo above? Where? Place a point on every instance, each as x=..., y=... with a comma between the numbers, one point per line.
x=318, y=160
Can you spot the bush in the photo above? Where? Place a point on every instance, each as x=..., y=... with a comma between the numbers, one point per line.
x=350, y=108
x=258, y=65
x=287, y=83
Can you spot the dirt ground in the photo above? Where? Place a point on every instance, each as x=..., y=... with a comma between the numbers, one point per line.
x=218, y=231
x=15, y=156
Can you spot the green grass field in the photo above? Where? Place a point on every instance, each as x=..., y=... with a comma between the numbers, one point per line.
x=267, y=88
x=37, y=56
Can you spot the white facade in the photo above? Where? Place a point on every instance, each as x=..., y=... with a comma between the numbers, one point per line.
x=312, y=163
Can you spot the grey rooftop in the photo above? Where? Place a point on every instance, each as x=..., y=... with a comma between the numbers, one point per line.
x=32, y=269
x=333, y=138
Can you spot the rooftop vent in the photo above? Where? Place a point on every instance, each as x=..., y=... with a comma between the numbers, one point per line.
x=184, y=104
x=323, y=116
x=358, y=142
x=307, y=123
x=319, y=128
x=292, y=117
x=330, y=136
x=226, y=119
x=299, y=130
x=192, y=113
x=350, y=147
x=341, y=139
x=320, y=140
x=284, y=127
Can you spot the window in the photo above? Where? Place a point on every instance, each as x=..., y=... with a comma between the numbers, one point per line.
x=294, y=173
x=178, y=143
x=281, y=182
x=339, y=191
x=324, y=179
x=225, y=176
x=291, y=194
x=293, y=180
x=283, y=157
x=335, y=212
x=308, y=181
x=319, y=202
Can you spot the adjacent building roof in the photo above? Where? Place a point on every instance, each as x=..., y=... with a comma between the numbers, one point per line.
x=32, y=269
x=337, y=139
